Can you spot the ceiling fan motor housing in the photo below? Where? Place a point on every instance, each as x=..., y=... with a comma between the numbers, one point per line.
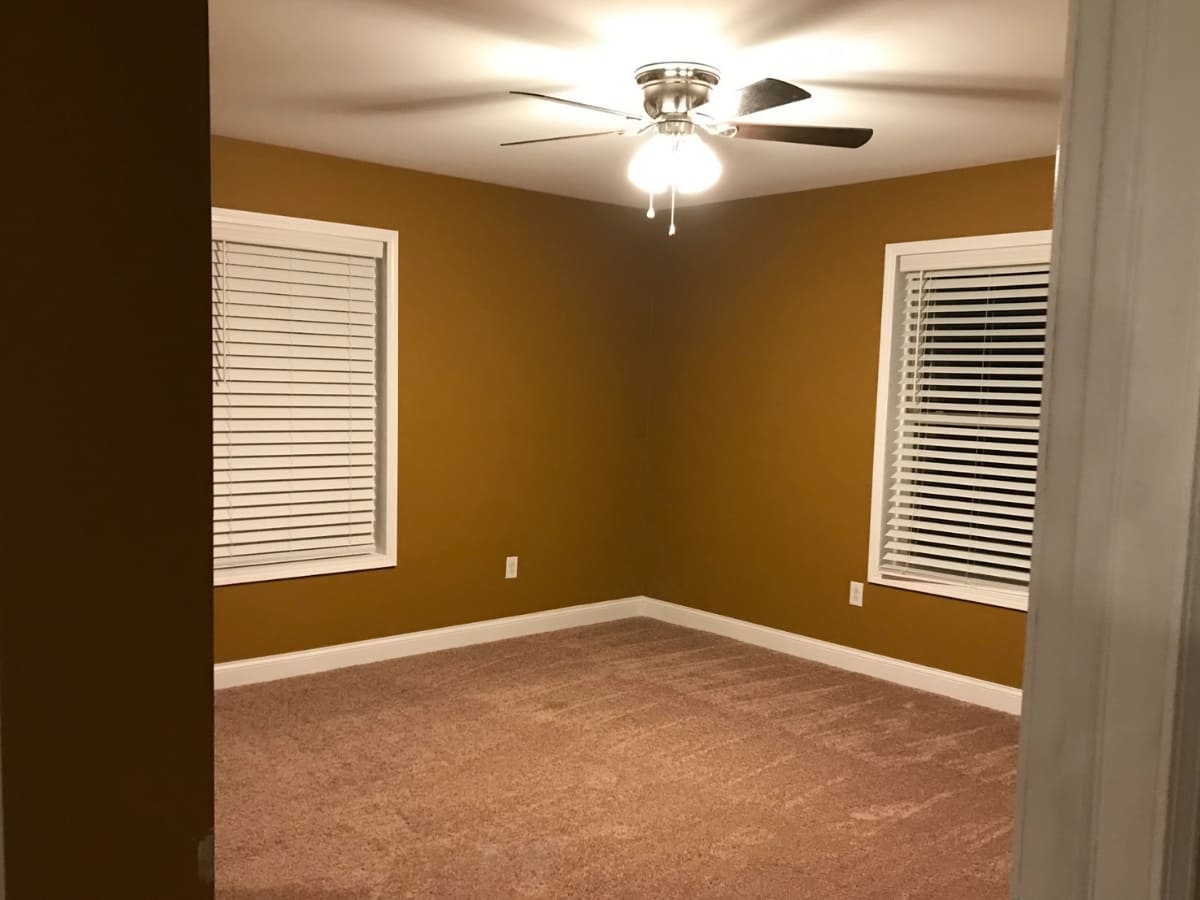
x=673, y=89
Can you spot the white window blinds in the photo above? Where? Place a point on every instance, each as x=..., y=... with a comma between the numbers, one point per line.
x=964, y=411
x=295, y=379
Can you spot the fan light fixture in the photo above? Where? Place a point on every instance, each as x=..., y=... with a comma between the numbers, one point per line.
x=676, y=162
x=676, y=103
x=682, y=161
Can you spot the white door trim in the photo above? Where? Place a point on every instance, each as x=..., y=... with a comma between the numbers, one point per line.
x=1107, y=786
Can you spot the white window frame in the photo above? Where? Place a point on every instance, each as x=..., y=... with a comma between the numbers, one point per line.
x=991, y=249
x=314, y=234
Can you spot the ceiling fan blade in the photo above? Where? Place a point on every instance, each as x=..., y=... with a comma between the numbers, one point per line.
x=561, y=137
x=819, y=135
x=602, y=109
x=765, y=94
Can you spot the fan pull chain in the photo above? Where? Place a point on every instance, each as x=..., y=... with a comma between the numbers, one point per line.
x=671, y=230
x=650, y=211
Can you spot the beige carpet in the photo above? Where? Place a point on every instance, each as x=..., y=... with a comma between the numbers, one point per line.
x=633, y=759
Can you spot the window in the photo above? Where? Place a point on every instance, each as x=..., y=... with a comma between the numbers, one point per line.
x=962, y=352
x=304, y=415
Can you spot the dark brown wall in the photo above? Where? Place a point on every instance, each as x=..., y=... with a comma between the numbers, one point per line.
x=520, y=374
x=106, y=615
x=767, y=364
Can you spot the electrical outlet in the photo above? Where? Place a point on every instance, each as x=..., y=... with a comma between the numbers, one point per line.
x=856, y=592
x=510, y=567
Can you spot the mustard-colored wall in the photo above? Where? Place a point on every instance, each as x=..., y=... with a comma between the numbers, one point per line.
x=690, y=418
x=767, y=365
x=520, y=410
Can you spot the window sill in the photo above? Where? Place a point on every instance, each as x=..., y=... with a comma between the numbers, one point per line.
x=1018, y=600
x=301, y=569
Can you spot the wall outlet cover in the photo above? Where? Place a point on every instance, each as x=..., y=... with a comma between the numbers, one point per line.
x=510, y=567
x=856, y=593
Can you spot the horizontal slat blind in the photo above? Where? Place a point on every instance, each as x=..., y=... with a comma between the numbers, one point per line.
x=294, y=390
x=967, y=403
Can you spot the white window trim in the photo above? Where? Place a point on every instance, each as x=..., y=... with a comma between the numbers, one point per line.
x=387, y=410
x=937, y=252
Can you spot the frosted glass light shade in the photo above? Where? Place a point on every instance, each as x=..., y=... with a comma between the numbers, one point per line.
x=681, y=160
x=650, y=168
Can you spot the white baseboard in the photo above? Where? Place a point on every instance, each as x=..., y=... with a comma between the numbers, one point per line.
x=322, y=659
x=925, y=678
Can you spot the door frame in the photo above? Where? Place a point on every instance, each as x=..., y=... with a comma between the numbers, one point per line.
x=1108, y=784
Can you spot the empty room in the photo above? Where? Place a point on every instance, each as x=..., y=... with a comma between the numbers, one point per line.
x=625, y=444
x=487, y=450
x=625, y=437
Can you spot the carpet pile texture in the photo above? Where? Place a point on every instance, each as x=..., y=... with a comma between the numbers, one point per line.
x=632, y=759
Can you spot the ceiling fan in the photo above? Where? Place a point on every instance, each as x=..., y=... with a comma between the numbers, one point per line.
x=679, y=103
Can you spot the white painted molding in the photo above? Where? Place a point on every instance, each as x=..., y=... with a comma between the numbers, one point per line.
x=323, y=659
x=338, y=656
x=1014, y=248
x=925, y=678
x=337, y=237
x=1108, y=785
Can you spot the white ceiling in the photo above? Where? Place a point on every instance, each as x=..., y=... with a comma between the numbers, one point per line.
x=423, y=83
